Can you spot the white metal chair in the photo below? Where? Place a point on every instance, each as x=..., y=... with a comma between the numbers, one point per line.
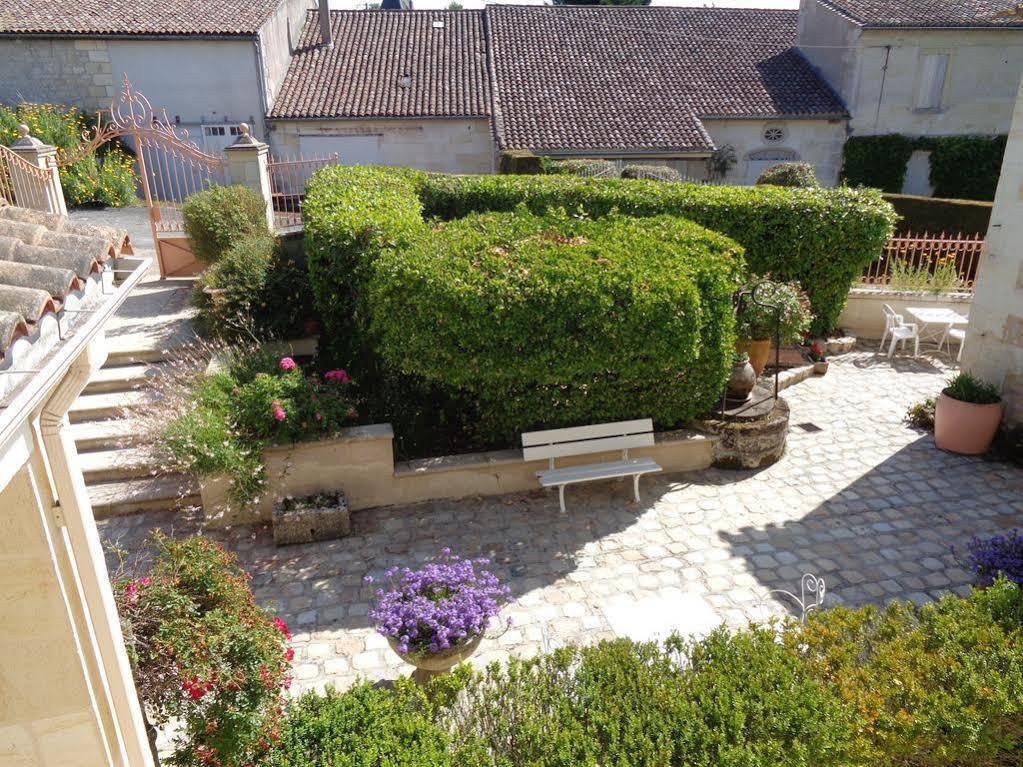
x=959, y=334
x=899, y=331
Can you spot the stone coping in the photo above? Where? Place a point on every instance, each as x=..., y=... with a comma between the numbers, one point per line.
x=347, y=434
x=916, y=295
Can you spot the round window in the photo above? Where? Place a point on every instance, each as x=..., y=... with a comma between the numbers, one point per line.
x=774, y=133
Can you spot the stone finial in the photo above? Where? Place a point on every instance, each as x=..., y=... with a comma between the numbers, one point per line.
x=245, y=138
x=26, y=139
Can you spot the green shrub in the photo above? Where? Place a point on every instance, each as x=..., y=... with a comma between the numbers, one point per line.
x=935, y=215
x=790, y=174
x=519, y=161
x=361, y=727
x=939, y=686
x=253, y=290
x=877, y=161
x=218, y=423
x=652, y=172
x=591, y=168
x=966, y=387
x=557, y=320
x=203, y=653
x=921, y=414
x=102, y=177
x=820, y=238
x=216, y=218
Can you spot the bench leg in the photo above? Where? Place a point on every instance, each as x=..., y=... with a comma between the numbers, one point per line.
x=561, y=497
x=635, y=486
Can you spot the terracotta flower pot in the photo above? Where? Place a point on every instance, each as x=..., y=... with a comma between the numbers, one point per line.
x=429, y=665
x=758, y=351
x=965, y=427
x=820, y=367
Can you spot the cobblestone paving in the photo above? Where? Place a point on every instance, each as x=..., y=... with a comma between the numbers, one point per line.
x=860, y=499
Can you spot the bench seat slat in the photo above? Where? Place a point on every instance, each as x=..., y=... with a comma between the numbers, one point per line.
x=601, y=445
x=575, y=433
x=594, y=471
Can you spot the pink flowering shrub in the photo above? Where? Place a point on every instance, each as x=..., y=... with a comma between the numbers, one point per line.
x=204, y=653
x=285, y=404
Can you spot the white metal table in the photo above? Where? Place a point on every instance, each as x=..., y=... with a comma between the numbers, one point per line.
x=935, y=322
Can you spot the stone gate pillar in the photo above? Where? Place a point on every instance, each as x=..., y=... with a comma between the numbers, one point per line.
x=248, y=165
x=37, y=191
x=994, y=339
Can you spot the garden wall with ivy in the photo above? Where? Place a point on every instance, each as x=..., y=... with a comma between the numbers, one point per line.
x=962, y=167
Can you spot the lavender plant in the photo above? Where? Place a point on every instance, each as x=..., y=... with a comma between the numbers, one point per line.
x=445, y=604
x=999, y=554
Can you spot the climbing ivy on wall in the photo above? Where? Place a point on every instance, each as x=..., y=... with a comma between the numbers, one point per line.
x=962, y=167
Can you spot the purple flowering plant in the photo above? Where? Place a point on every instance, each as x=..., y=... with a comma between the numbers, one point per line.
x=444, y=604
x=999, y=554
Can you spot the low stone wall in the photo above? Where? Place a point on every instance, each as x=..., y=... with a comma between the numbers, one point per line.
x=863, y=315
x=361, y=463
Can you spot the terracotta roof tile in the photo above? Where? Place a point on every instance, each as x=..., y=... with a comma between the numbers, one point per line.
x=930, y=13
x=135, y=17
x=639, y=78
x=389, y=64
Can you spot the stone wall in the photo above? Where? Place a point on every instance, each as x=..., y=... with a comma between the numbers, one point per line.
x=863, y=315
x=994, y=340
x=62, y=71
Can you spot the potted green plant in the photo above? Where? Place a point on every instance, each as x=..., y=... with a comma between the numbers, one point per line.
x=966, y=415
x=770, y=301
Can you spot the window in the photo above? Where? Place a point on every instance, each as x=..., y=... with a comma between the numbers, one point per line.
x=933, y=68
x=774, y=133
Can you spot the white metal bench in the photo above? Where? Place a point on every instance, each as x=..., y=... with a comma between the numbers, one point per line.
x=586, y=440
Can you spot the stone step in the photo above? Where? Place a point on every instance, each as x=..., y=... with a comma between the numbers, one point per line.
x=134, y=355
x=98, y=407
x=106, y=435
x=124, y=463
x=121, y=378
x=111, y=499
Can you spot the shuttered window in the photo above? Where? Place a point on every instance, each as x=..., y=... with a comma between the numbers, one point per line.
x=933, y=67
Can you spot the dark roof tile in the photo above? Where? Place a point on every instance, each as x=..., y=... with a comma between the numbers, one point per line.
x=135, y=17
x=930, y=13
x=639, y=78
x=389, y=64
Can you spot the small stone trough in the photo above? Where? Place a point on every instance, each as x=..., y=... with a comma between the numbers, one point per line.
x=319, y=517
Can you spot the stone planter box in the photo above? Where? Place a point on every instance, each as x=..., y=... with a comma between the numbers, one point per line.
x=360, y=462
x=320, y=518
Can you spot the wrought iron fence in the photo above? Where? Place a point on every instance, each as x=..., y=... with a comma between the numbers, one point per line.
x=288, y=177
x=21, y=182
x=938, y=263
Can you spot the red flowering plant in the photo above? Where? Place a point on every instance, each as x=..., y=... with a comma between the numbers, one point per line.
x=205, y=654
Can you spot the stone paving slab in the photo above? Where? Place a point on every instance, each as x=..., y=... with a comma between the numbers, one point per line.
x=861, y=499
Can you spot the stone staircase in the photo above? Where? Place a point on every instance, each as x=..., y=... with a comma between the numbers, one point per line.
x=121, y=476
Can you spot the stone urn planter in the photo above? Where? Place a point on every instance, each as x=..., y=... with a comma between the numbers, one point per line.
x=759, y=351
x=430, y=665
x=966, y=428
x=741, y=381
x=820, y=367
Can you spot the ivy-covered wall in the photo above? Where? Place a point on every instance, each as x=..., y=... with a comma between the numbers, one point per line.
x=962, y=167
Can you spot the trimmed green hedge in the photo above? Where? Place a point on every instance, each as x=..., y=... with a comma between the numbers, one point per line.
x=934, y=214
x=820, y=238
x=938, y=686
x=962, y=167
x=557, y=320
x=216, y=218
x=790, y=174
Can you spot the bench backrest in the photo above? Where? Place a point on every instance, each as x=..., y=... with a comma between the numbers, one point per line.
x=581, y=440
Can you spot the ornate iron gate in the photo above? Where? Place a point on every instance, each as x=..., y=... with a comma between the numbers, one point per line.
x=170, y=167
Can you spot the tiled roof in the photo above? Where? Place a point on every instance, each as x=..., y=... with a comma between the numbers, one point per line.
x=43, y=259
x=930, y=13
x=389, y=64
x=639, y=78
x=135, y=17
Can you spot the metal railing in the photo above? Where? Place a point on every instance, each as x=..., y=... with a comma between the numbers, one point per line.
x=21, y=182
x=935, y=263
x=288, y=177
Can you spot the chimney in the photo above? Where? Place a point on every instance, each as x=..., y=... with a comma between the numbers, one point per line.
x=326, y=36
